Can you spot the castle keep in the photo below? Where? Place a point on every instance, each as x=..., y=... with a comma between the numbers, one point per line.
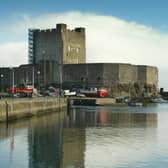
x=57, y=57
x=59, y=45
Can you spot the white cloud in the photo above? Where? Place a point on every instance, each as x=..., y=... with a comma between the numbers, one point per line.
x=13, y=54
x=108, y=39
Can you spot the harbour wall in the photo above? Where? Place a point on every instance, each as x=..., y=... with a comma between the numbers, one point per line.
x=13, y=109
x=119, y=79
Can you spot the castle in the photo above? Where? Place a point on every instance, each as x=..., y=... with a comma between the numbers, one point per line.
x=57, y=57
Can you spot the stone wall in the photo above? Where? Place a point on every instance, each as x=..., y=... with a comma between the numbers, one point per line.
x=141, y=71
x=61, y=45
x=19, y=108
x=110, y=74
x=6, y=78
x=127, y=73
x=74, y=49
x=152, y=75
x=45, y=45
x=119, y=79
x=83, y=75
x=55, y=47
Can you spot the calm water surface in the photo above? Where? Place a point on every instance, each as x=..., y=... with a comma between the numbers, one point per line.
x=88, y=137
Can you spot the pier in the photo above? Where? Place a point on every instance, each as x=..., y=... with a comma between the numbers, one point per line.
x=13, y=109
x=91, y=101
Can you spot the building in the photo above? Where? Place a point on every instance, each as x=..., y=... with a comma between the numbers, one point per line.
x=120, y=79
x=51, y=48
x=59, y=45
x=31, y=45
x=57, y=57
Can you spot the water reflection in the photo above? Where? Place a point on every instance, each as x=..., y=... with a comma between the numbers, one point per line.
x=13, y=145
x=45, y=138
x=103, y=117
x=114, y=138
x=33, y=143
x=88, y=137
x=107, y=138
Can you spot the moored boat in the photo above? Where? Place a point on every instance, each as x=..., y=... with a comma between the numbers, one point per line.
x=134, y=104
x=94, y=92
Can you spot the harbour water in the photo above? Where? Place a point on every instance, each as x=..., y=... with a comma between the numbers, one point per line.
x=88, y=137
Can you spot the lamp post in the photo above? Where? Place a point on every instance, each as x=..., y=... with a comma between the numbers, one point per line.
x=38, y=75
x=61, y=80
x=33, y=77
x=60, y=77
x=2, y=84
x=13, y=82
x=44, y=67
x=129, y=91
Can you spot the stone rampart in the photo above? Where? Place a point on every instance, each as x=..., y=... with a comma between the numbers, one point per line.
x=11, y=109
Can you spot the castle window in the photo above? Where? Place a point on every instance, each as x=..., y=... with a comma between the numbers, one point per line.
x=98, y=79
x=69, y=48
x=77, y=50
x=83, y=79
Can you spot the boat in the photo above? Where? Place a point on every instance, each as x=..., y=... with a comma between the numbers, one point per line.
x=94, y=92
x=134, y=104
x=68, y=93
x=22, y=90
x=159, y=100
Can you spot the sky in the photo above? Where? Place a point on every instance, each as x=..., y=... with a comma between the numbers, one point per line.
x=126, y=31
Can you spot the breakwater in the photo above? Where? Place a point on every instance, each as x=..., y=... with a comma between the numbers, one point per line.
x=12, y=109
x=91, y=101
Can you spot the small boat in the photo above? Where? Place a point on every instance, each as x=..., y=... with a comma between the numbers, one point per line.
x=134, y=104
x=94, y=92
x=159, y=100
x=68, y=93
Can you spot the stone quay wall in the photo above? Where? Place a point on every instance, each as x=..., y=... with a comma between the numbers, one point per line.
x=13, y=109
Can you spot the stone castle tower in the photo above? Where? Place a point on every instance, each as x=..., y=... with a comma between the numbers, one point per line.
x=51, y=48
x=60, y=45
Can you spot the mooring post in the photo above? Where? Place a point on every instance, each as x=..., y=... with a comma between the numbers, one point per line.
x=69, y=105
x=7, y=115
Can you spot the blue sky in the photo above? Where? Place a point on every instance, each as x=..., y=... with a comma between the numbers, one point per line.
x=149, y=12
x=135, y=31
